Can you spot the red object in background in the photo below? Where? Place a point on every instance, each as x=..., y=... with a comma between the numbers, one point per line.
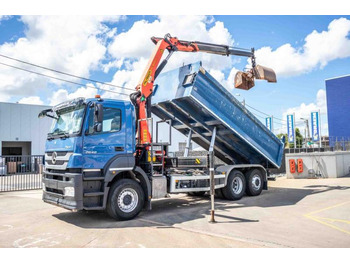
x=300, y=165
x=292, y=165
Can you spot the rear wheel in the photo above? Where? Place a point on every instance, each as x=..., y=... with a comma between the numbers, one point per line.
x=125, y=200
x=235, y=188
x=254, y=182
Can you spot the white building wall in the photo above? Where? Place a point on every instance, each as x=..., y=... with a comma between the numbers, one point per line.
x=20, y=123
x=328, y=164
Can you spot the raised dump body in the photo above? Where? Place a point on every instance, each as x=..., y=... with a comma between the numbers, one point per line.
x=193, y=99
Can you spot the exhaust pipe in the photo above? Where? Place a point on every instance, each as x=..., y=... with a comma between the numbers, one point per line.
x=245, y=80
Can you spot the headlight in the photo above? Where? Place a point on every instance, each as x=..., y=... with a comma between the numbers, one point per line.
x=69, y=191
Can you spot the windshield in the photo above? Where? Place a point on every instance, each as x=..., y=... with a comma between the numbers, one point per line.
x=69, y=121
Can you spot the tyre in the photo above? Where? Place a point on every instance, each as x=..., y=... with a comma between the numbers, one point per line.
x=126, y=199
x=219, y=194
x=255, y=182
x=235, y=188
x=198, y=193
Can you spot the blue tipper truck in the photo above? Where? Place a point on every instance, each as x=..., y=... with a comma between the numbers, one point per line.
x=103, y=154
x=83, y=167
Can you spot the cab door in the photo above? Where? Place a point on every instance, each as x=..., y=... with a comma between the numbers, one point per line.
x=100, y=147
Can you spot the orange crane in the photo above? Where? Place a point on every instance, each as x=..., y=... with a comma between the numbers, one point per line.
x=142, y=97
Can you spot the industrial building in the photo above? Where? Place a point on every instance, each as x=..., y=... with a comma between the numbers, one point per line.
x=21, y=132
x=338, y=107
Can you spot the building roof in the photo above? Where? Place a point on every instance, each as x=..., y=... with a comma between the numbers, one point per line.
x=11, y=103
x=344, y=76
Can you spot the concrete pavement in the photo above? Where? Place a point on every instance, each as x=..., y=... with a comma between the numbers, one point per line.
x=292, y=213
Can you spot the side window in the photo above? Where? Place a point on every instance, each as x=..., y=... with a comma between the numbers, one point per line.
x=111, y=120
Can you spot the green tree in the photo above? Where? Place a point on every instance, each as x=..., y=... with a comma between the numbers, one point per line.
x=299, y=138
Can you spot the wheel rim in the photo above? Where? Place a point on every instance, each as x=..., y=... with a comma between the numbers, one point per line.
x=256, y=182
x=128, y=200
x=237, y=185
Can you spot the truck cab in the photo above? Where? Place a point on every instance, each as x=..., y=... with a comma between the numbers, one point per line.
x=88, y=140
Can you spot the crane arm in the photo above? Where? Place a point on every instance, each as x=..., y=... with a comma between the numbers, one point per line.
x=172, y=44
x=196, y=46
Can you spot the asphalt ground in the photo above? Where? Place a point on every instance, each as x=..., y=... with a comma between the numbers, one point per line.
x=292, y=213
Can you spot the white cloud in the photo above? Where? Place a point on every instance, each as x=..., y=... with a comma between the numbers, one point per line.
x=319, y=49
x=228, y=82
x=4, y=17
x=127, y=77
x=31, y=100
x=62, y=95
x=135, y=43
x=304, y=111
x=134, y=46
x=74, y=44
x=118, y=63
x=79, y=44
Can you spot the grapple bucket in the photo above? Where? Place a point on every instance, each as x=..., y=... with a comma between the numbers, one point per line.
x=265, y=73
x=244, y=80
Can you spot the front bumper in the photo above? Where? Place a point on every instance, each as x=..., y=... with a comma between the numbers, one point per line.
x=54, y=189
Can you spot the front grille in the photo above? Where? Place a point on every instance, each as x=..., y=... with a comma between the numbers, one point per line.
x=61, y=159
x=58, y=162
x=59, y=153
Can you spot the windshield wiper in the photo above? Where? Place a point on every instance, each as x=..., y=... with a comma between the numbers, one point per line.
x=61, y=134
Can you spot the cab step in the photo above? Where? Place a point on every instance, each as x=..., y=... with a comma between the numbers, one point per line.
x=93, y=194
x=93, y=208
x=93, y=178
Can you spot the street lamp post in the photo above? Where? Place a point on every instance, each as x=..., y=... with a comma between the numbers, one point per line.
x=307, y=130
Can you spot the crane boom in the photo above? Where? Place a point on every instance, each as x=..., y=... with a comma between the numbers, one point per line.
x=211, y=48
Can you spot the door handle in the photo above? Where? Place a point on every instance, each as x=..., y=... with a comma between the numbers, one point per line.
x=119, y=148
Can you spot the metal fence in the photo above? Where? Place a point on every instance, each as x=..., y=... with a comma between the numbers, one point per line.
x=20, y=172
x=339, y=143
x=330, y=144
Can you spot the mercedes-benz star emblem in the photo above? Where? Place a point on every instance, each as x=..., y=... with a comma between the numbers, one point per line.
x=53, y=158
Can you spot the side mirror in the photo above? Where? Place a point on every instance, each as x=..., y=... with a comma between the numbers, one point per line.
x=98, y=127
x=98, y=113
x=42, y=114
x=45, y=112
x=98, y=117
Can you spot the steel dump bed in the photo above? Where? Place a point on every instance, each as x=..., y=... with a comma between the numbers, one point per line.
x=193, y=99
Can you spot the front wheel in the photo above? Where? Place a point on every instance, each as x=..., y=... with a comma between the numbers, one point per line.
x=235, y=187
x=125, y=200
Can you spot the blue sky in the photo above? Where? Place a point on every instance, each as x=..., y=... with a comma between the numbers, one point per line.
x=51, y=42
